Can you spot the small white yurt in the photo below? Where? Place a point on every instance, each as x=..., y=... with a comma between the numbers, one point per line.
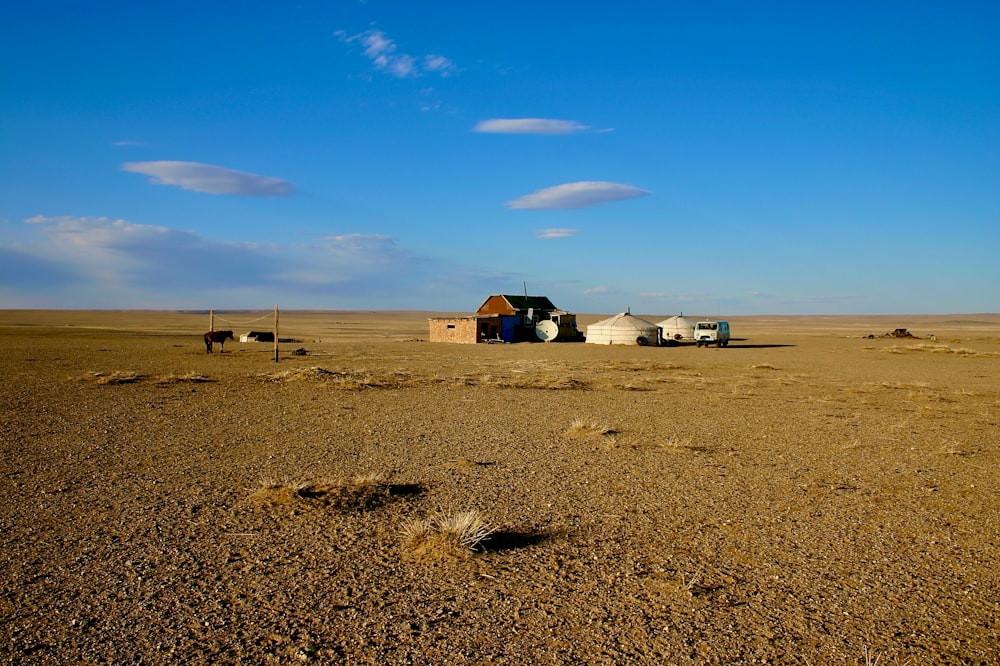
x=677, y=328
x=624, y=329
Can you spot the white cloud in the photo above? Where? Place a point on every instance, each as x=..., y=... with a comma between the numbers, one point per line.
x=583, y=194
x=596, y=290
x=210, y=179
x=529, y=126
x=386, y=57
x=128, y=143
x=97, y=247
x=90, y=231
x=117, y=254
x=554, y=233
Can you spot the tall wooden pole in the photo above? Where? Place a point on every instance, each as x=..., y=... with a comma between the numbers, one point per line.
x=275, y=332
x=211, y=320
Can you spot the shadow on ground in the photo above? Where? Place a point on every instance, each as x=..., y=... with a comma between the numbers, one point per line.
x=504, y=540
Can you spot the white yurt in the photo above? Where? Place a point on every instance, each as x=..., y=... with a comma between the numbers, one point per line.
x=677, y=328
x=623, y=329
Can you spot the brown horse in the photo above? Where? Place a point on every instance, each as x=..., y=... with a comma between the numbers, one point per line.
x=217, y=336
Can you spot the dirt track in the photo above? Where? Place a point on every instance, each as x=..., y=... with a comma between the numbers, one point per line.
x=803, y=496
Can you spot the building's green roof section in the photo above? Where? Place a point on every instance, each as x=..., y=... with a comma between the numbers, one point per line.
x=525, y=302
x=510, y=304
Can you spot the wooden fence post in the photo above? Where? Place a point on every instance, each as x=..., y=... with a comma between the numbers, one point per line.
x=275, y=332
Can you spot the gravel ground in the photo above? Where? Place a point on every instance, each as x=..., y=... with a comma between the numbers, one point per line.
x=806, y=495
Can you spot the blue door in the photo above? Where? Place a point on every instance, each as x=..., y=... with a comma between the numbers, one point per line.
x=508, y=328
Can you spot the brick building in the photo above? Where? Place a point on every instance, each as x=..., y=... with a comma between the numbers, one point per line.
x=504, y=318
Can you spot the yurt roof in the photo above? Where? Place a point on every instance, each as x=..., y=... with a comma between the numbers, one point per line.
x=679, y=321
x=625, y=320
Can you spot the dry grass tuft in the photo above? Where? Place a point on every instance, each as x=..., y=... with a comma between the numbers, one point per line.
x=117, y=377
x=345, y=381
x=359, y=493
x=953, y=448
x=297, y=374
x=638, y=366
x=871, y=658
x=191, y=377
x=362, y=379
x=631, y=386
x=279, y=492
x=541, y=381
x=937, y=349
x=445, y=536
x=129, y=377
x=675, y=444
x=582, y=428
x=362, y=492
x=464, y=464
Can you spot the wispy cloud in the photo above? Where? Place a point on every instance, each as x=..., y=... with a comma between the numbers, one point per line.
x=210, y=179
x=554, y=233
x=128, y=143
x=440, y=65
x=20, y=269
x=583, y=194
x=677, y=297
x=596, y=290
x=385, y=55
x=529, y=126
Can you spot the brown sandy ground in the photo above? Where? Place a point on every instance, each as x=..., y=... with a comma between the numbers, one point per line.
x=805, y=496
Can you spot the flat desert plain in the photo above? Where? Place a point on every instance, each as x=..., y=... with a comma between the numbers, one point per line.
x=807, y=495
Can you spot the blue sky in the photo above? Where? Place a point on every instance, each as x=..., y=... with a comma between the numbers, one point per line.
x=706, y=158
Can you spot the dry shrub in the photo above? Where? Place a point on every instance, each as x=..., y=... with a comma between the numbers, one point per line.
x=445, y=536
